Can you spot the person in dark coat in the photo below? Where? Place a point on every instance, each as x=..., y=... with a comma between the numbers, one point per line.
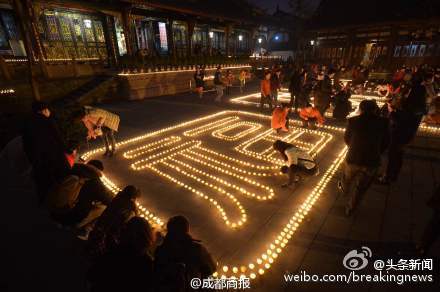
x=45, y=149
x=180, y=257
x=275, y=85
x=367, y=137
x=342, y=104
x=323, y=92
x=401, y=133
x=415, y=103
x=92, y=199
x=199, y=83
x=129, y=267
x=106, y=232
x=295, y=88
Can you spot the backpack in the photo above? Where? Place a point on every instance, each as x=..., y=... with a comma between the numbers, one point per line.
x=64, y=196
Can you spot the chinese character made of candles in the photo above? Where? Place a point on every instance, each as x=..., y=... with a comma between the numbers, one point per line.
x=227, y=160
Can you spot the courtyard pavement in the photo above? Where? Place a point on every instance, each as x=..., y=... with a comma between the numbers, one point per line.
x=389, y=220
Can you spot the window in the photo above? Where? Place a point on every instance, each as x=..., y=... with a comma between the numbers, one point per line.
x=218, y=40
x=163, y=36
x=406, y=51
x=431, y=50
x=422, y=50
x=8, y=30
x=120, y=38
x=69, y=34
x=397, y=51
x=413, y=50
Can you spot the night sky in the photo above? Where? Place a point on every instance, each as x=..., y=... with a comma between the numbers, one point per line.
x=271, y=5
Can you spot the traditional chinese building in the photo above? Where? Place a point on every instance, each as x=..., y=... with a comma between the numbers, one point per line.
x=381, y=34
x=75, y=41
x=107, y=30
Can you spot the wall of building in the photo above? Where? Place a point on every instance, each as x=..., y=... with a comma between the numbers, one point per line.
x=137, y=86
x=379, y=46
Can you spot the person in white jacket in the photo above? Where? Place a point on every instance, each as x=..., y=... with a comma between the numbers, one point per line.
x=297, y=160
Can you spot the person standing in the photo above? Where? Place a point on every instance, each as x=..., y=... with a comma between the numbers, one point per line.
x=415, y=102
x=342, y=104
x=367, y=137
x=275, y=85
x=266, y=91
x=45, y=149
x=100, y=122
x=323, y=91
x=218, y=83
x=198, y=79
x=242, y=78
x=295, y=88
x=229, y=80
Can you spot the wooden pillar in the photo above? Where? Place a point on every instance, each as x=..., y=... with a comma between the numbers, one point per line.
x=4, y=69
x=228, y=30
x=22, y=9
x=209, y=41
x=190, y=24
x=348, y=48
x=390, y=44
x=170, y=38
x=35, y=12
x=253, y=39
x=110, y=36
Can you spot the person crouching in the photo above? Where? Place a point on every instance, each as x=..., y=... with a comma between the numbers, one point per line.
x=280, y=118
x=297, y=160
x=310, y=115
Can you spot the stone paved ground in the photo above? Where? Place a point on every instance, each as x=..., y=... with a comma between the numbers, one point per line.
x=389, y=219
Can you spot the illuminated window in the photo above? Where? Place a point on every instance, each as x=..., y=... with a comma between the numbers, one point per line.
x=66, y=34
x=163, y=36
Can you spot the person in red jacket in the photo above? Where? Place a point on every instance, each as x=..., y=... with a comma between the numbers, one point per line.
x=309, y=115
x=280, y=119
x=266, y=91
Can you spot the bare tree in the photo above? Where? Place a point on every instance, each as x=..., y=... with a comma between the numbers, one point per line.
x=303, y=8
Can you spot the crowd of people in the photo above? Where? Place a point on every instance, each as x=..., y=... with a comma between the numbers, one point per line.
x=373, y=135
x=121, y=246
x=223, y=82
